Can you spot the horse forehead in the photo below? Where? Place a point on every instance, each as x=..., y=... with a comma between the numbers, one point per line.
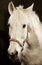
x=18, y=17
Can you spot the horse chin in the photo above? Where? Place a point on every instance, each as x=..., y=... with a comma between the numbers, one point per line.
x=15, y=60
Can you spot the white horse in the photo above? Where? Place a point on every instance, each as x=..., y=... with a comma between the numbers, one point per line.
x=25, y=33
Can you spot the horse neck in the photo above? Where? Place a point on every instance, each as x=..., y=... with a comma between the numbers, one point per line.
x=35, y=22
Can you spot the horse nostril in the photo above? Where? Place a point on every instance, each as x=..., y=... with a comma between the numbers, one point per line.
x=16, y=53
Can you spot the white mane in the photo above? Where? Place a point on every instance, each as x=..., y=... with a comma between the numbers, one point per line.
x=20, y=18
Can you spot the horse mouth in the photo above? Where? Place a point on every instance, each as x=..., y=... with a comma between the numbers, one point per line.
x=15, y=59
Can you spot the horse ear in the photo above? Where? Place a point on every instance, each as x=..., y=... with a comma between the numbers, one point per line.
x=31, y=7
x=11, y=7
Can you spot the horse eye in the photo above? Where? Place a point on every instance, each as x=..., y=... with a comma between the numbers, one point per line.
x=24, y=25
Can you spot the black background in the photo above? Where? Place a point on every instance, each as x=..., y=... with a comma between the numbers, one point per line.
x=4, y=15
